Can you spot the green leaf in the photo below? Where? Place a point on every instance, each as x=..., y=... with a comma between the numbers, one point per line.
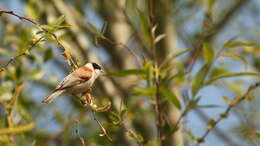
x=39, y=32
x=48, y=28
x=123, y=113
x=104, y=28
x=48, y=55
x=172, y=56
x=198, y=80
x=36, y=74
x=231, y=75
x=194, y=102
x=64, y=26
x=143, y=19
x=114, y=117
x=238, y=44
x=218, y=71
x=144, y=22
x=59, y=20
x=237, y=57
x=95, y=40
x=208, y=53
x=92, y=27
x=171, y=97
x=123, y=73
x=149, y=91
x=208, y=106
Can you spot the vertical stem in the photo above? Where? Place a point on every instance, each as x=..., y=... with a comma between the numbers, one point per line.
x=156, y=79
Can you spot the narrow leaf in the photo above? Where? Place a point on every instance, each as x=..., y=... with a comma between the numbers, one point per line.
x=64, y=26
x=238, y=44
x=59, y=20
x=171, y=97
x=174, y=55
x=149, y=91
x=208, y=53
x=208, y=106
x=198, y=80
x=103, y=29
x=237, y=57
x=48, y=55
x=218, y=71
x=92, y=27
x=231, y=75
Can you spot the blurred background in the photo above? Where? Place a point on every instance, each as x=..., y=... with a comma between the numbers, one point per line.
x=207, y=52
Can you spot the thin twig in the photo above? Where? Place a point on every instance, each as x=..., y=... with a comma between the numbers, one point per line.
x=80, y=137
x=184, y=113
x=122, y=46
x=209, y=34
x=20, y=55
x=101, y=126
x=72, y=61
x=227, y=111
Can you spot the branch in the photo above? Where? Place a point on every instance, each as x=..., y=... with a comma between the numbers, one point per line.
x=71, y=60
x=101, y=127
x=20, y=55
x=217, y=131
x=123, y=46
x=236, y=101
x=86, y=100
x=156, y=80
x=209, y=34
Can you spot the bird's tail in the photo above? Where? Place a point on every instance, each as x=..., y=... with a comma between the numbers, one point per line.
x=51, y=97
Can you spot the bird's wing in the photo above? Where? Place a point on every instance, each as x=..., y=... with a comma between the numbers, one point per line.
x=77, y=77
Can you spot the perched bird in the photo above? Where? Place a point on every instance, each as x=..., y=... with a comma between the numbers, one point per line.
x=79, y=81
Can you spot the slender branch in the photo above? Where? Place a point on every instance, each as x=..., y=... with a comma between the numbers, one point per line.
x=222, y=116
x=217, y=131
x=132, y=133
x=210, y=33
x=156, y=80
x=71, y=60
x=20, y=55
x=20, y=17
x=80, y=137
x=101, y=127
x=186, y=110
x=123, y=46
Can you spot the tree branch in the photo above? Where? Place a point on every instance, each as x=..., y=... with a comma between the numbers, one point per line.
x=213, y=123
x=71, y=60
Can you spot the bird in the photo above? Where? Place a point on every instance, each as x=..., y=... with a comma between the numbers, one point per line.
x=79, y=81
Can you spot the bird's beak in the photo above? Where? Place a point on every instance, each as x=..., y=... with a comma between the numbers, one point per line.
x=102, y=72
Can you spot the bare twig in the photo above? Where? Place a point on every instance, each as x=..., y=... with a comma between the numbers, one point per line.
x=101, y=127
x=222, y=116
x=80, y=137
x=122, y=46
x=71, y=60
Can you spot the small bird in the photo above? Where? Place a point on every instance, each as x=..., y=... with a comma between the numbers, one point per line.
x=79, y=81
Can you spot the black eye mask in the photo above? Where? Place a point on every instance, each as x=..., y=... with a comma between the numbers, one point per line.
x=96, y=66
